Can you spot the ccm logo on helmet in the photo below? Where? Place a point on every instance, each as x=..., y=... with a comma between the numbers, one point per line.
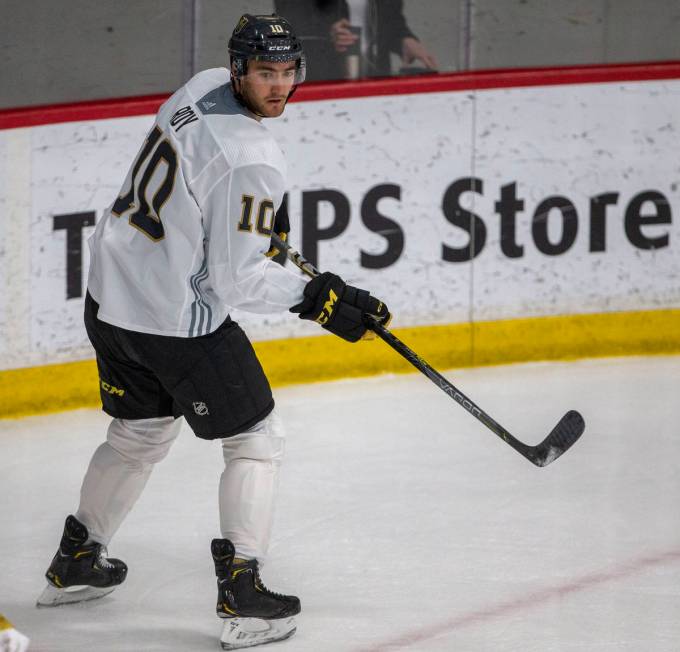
x=279, y=47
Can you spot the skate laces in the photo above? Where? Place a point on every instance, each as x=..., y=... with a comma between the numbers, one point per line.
x=102, y=560
x=260, y=586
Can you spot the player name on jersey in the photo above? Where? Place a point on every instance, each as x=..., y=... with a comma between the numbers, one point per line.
x=183, y=117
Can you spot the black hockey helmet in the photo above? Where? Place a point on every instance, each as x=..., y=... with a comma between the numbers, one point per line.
x=265, y=38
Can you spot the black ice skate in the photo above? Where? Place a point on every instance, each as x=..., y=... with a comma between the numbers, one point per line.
x=254, y=614
x=78, y=571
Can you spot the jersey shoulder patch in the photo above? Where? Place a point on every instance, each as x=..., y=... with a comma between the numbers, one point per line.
x=218, y=102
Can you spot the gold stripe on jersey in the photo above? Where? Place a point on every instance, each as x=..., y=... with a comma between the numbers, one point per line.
x=307, y=359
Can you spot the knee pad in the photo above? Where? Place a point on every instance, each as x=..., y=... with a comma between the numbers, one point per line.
x=264, y=442
x=143, y=440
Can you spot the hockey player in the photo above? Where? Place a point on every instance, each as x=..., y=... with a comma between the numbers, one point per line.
x=183, y=243
x=11, y=640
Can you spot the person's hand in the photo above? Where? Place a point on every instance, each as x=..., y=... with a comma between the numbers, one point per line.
x=341, y=37
x=340, y=308
x=412, y=49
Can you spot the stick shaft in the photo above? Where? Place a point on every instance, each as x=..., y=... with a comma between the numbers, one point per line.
x=448, y=388
x=411, y=356
x=562, y=437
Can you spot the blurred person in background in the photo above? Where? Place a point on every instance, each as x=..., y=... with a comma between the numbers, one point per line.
x=347, y=39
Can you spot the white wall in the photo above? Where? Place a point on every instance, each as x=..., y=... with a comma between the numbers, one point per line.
x=574, y=142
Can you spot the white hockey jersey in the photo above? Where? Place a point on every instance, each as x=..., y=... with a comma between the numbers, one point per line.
x=184, y=241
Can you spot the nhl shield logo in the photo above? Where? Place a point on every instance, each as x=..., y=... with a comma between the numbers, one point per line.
x=200, y=408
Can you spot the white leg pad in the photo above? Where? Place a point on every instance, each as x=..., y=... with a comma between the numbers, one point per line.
x=119, y=471
x=249, y=484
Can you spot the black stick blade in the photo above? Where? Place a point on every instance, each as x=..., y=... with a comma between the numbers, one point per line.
x=562, y=437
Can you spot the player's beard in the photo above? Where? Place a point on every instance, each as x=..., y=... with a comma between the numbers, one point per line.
x=263, y=107
x=273, y=109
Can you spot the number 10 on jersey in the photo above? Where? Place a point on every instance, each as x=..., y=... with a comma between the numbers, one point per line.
x=144, y=216
x=265, y=215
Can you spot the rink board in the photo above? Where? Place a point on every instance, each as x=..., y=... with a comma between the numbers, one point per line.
x=65, y=386
x=481, y=214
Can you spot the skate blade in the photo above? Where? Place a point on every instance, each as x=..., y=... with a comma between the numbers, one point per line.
x=54, y=597
x=248, y=632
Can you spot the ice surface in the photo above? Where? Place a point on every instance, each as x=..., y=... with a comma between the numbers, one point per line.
x=403, y=524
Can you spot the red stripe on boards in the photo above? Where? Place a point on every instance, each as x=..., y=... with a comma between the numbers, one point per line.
x=337, y=90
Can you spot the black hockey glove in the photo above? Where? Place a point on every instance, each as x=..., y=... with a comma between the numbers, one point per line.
x=281, y=228
x=340, y=308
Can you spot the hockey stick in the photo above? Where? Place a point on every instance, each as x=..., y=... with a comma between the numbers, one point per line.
x=561, y=438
